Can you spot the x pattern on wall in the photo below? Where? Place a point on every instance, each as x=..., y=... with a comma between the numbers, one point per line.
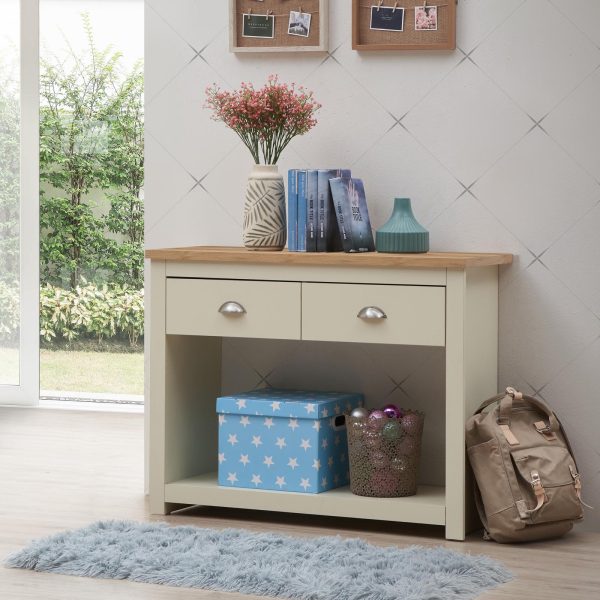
x=496, y=143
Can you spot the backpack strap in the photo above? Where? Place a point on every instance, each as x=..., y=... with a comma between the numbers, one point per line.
x=506, y=403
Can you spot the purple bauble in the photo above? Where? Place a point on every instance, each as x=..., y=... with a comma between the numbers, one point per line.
x=392, y=411
x=412, y=424
x=377, y=419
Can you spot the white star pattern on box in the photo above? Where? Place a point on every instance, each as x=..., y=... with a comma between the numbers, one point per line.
x=280, y=481
x=304, y=483
x=256, y=441
x=316, y=464
x=348, y=407
x=232, y=478
x=280, y=442
x=305, y=445
x=332, y=422
x=268, y=422
x=245, y=421
x=317, y=425
x=222, y=420
x=337, y=409
x=222, y=458
x=256, y=480
x=293, y=424
x=244, y=459
x=232, y=439
x=310, y=408
x=268, y=461
x=324, y=443
x=330, y=461
x=241, y=404
x=275, y=406
x=293, y=463
x=324, y=413
x=324, y=482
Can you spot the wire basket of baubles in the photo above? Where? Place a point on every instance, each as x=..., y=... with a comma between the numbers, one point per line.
x=384, y=447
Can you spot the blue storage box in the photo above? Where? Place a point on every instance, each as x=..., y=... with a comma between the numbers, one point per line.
x=285, y=440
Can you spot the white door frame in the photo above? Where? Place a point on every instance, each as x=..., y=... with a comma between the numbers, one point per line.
x=27, y=393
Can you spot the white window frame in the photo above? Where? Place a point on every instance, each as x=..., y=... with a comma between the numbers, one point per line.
x=27, y=392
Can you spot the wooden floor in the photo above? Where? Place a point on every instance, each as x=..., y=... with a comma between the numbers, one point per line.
x=61, y=469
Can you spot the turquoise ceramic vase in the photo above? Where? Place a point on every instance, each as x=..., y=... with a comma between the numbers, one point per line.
x=402, y=232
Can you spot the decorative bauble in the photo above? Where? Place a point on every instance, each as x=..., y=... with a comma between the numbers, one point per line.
x=377, y=419
x=392, y=430
x=412, y=423
x=360, y=412
x=392, y=411
x=372, y=439
x=400, y=463
x=408, y=446
x=358, y=426
x=378, y=459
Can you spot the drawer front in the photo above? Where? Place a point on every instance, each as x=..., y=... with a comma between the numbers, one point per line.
x=415, y=315
x=272, y=309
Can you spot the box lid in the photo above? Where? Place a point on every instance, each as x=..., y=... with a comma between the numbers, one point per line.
x=299, y=404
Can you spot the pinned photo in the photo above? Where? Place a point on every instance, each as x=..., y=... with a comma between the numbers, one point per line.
x=299, y=23
x=258, y=26
x=384, y=18
x=425, y=18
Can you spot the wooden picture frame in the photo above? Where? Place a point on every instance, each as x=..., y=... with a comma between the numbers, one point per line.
x=282, y=40
x=442, y=38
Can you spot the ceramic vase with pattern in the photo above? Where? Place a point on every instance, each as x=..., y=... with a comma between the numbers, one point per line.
x=265, y=226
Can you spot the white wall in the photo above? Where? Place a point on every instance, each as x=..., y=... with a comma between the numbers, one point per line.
x=496, y=143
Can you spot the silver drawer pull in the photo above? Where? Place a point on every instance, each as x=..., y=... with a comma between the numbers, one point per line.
x=232, y=308
x=371, y=313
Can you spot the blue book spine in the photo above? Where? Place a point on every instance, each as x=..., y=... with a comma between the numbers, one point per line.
x=293, y=210
x=302, y=211
x=311, y=216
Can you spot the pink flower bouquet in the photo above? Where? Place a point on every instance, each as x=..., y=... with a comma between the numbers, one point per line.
x=267, y=119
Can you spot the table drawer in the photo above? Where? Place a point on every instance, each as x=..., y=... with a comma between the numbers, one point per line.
x=272, y=309
x=414, y=315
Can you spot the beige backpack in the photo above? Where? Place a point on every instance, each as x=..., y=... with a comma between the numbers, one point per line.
x=528, y=487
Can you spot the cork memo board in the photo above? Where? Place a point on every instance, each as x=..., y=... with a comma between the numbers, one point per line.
x=437, y=34
x=270, y=24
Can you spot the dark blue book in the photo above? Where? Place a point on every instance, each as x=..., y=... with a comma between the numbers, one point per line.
x=293, y=210
x=328, y=239
x=302, y=211
x=311, y=215
x=352, y=215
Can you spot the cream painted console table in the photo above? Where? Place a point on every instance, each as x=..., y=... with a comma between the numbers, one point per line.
x=200, y=295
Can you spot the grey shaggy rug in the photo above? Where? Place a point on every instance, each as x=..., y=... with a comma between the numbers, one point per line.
x=265, y=564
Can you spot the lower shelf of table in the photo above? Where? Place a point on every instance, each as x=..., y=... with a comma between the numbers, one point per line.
x=427, y=506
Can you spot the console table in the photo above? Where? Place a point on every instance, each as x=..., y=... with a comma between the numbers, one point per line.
x=200, y=295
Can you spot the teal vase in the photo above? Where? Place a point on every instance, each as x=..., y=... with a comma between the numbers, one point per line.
x=402, y=232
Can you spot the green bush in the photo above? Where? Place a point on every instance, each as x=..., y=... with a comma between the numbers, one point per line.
x=9, y=312
x=90, y=311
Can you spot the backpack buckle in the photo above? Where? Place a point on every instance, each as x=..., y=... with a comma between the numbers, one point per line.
x=544, y=430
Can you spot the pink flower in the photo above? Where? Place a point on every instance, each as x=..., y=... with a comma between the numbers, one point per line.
x=267, y=119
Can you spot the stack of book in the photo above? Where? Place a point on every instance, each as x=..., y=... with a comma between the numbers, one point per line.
x=327, y=212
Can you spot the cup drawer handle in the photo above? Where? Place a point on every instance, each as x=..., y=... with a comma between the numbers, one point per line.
x=371, y=313
x=232, y=308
